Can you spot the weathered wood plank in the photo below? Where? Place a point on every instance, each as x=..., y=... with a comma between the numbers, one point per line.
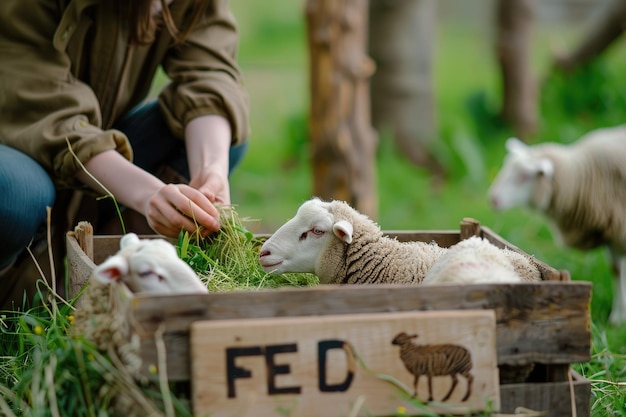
x=544, y=322
x=319, y=366
x=553, y=398
x=79, y=265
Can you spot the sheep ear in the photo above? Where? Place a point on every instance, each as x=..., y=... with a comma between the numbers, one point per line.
x=514, y=145
x=111, y=270
x=128, y=239
x=343, y=230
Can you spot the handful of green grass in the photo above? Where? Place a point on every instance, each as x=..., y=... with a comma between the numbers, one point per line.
x=229, y=259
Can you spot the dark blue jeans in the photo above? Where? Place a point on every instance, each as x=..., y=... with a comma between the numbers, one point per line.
x=26, y=189
x=25, y=192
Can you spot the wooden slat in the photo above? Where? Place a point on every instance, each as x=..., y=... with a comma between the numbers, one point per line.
x=79, y=265
x=444, y=238
x=84, y=235
x=469, y=228
x=553, y=398
x=319, y=366
x=105, y=246
x=544, y=322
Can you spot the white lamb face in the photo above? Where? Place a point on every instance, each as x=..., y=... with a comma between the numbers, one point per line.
x=149, y=266
x=296, y=246
x=515, y=183
x=156, y=268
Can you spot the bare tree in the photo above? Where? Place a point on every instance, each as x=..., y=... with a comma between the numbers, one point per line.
x=605, y=31
x=514, y=22
x=401, y=42
x=343, y=141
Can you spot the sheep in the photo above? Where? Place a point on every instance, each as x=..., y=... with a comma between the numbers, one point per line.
x=435, y=360
x=342, y=246
x=149, y=266
x=580, y=188
x=475, y=260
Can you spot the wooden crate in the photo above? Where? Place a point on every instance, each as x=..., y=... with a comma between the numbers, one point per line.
x=544, y=326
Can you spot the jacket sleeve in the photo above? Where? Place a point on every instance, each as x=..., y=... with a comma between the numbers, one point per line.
x=205, y=75
x=42, y=105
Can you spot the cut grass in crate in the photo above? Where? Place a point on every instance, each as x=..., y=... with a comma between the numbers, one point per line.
x=229, y=259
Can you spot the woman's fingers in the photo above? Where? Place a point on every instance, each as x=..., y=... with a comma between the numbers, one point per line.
x=178, y=207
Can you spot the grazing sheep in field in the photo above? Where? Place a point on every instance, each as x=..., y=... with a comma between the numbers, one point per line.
x=342, y=246
x=435, y=360
x=580, y=188
x=475, y=260
x=149, y=266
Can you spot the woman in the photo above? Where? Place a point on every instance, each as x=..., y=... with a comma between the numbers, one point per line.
x=73, y=77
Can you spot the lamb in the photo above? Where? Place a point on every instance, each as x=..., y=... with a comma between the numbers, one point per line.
x=342, y=246
x=475, y=260
x=580, y=188
x=146, y=266
x=435, y=360
x=149, y=266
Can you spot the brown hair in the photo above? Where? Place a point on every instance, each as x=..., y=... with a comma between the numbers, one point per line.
x=143, y=24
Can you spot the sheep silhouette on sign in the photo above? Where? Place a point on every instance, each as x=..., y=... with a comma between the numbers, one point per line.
x=435, y=360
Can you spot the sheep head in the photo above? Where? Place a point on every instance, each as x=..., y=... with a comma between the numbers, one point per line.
x=149, y=266
x=402, y=339
x=299, y=244
x=514, y=186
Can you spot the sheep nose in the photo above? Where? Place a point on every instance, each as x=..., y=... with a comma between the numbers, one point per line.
x=264, y=252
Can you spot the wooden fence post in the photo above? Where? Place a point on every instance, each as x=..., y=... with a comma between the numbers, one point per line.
x=343, y=143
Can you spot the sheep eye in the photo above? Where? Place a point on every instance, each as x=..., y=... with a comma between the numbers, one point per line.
x=317, y=232
x=148, y=273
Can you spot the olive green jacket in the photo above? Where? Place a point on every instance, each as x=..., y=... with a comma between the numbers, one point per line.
x=67, y=72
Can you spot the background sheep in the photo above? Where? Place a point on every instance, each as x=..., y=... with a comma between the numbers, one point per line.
x=342, y=246
x=476, y=260
x=149, y=266
x=581, y=188
x=435, y=360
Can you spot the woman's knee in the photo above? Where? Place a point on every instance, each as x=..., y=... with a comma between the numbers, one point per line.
x=26, y=191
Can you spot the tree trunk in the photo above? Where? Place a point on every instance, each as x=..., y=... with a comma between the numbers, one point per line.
x=401, y=42
x=343, y=141
x=606, y=30
x=519, y=89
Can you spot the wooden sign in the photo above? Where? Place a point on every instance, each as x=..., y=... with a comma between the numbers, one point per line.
x=367, y=364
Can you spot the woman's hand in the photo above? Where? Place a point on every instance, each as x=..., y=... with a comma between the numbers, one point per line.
x=168, y=208
x=212, y=185
x=175, y=207
x=188, y=207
